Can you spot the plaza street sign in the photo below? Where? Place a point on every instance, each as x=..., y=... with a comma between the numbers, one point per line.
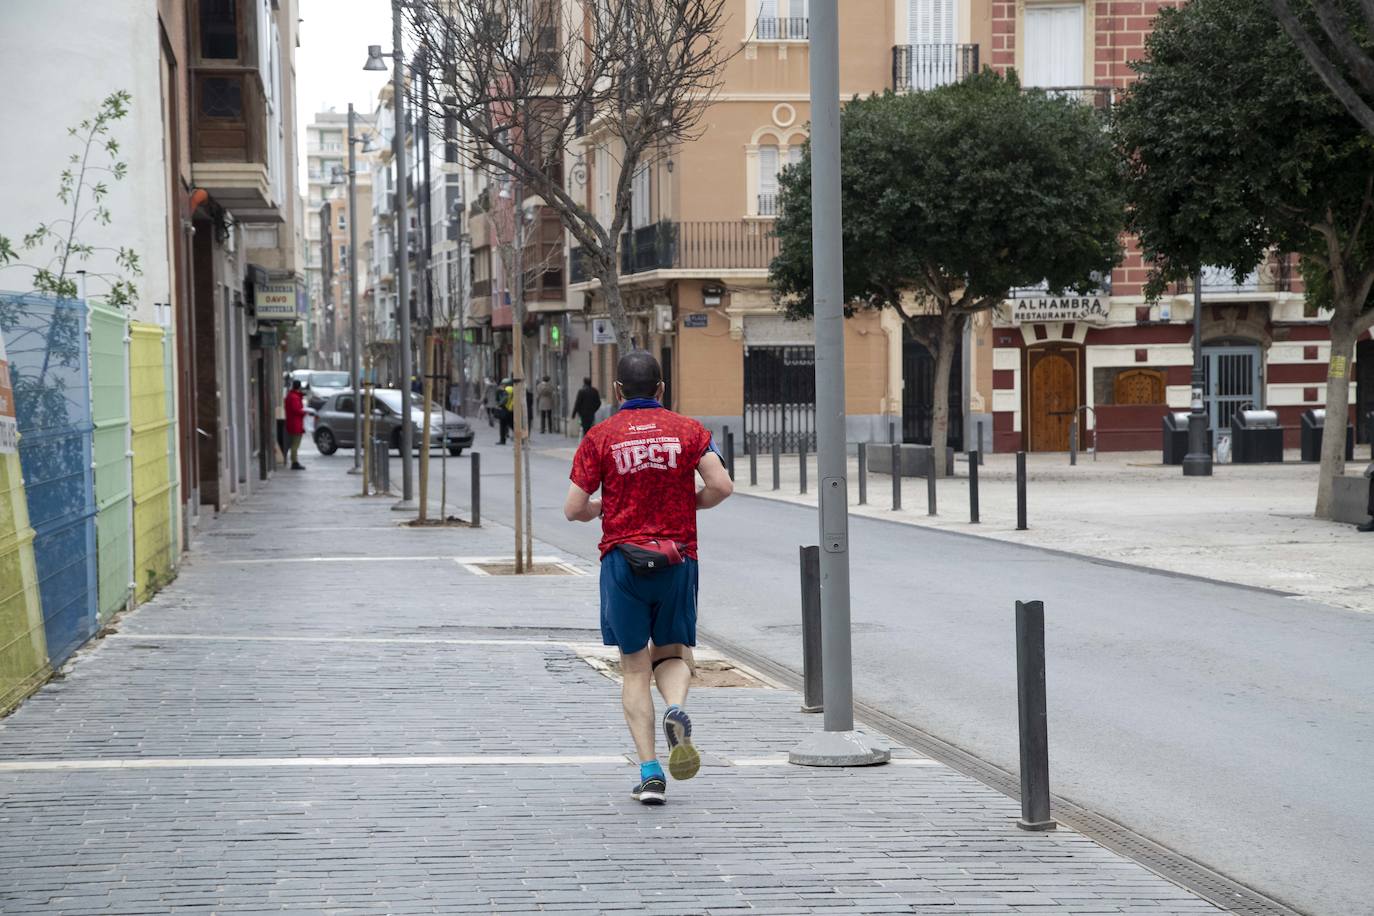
x=695, y=320
x=275, y=301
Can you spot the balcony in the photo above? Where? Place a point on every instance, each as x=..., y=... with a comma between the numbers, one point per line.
x=229, y=138
x=1275, y=275
x=793, y=28
x=718, y=245
x=1100, y=98
x=919, y=67
x=769, y=204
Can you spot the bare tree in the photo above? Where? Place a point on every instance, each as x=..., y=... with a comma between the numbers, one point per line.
x=1328, y=40
x=527, y=79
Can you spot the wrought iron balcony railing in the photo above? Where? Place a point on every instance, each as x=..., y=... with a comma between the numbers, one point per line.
x=1100, y=98
x=705, y=245
x=793, y=28
x=768, y=204
x=917, y=67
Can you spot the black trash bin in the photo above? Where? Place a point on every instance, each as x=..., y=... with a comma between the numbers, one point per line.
x=1256, y=437
x=1313, y=423
x=1176, y=437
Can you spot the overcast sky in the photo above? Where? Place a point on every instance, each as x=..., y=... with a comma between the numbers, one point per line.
x=329, y=63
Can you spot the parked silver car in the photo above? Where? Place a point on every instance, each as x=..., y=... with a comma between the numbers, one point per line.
x=334, y=423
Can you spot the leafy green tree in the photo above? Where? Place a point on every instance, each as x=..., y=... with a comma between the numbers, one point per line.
x=953, y=198
x=82, y=191
x=1233, y=147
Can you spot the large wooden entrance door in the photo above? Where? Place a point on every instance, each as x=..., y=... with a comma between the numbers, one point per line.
x=1052, y=398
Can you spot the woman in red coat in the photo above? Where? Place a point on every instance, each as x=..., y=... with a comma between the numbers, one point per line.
x=295, y=422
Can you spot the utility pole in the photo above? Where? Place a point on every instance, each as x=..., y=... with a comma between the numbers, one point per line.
x=398, y=90
x=517, y=300
x=839, y=744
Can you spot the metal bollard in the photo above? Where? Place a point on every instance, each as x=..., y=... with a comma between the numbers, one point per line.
x=896, y=476
x=476, y=490
x=980, y=442
x=1073, y=442
x=1020, y=491
x=973, y=458
x=730, y=452
x=812, y=696
x=777, y=463
x=863, y=473
x=930, y=484
x=753, y=464
x=1034, y=721
x=891, y=432
x=801, y=460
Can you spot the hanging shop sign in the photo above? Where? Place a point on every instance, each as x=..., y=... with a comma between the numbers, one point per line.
x=9, y=426
x=275, y=301
x=1093, y=309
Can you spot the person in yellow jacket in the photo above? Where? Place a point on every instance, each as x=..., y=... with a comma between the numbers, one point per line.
x=507, y=408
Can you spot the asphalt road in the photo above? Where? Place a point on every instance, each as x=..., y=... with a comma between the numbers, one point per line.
x=1233, y=725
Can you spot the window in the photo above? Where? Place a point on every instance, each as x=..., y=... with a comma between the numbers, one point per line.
x=343, y=253
x=219, y=29
x=343, y=221
x=931, y=22
x=1054, y=46
x=782, y=20
x=768, y=180
x=640, y=197
x=344, y=403
x=794, y=152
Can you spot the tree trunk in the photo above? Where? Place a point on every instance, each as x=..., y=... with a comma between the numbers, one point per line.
x=1337, y=405
x=620, y=319
x=950, y=325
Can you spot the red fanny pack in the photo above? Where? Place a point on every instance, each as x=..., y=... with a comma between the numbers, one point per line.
x=649, y=555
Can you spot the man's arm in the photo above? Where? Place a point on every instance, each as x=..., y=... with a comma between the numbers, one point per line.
x=718, y=485
x=580, y=506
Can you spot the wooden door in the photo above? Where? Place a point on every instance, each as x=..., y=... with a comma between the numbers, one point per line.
x=1053, y=399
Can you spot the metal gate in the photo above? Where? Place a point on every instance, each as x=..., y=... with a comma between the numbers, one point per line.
x=918, y=394
x=1231, y=377
x=780, y=397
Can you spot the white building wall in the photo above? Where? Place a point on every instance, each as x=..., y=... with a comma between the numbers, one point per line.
x=116, y=46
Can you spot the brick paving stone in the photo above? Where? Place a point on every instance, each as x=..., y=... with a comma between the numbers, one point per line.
x=295, y=655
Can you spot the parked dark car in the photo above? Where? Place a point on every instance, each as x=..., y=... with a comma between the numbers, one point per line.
x=334, y=423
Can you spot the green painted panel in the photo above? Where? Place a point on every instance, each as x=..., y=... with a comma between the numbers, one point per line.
x=113, y=468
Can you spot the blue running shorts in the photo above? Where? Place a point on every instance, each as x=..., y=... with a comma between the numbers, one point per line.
x=635, y=609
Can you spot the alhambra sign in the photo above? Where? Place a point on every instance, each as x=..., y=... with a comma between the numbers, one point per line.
x=1093, y=309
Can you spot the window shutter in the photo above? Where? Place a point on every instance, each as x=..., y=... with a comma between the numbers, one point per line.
x=794, y=154
x=1054, y=46
x=930, y=22
x=768, y=170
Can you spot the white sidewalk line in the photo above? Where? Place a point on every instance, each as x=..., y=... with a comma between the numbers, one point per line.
x=362, y=640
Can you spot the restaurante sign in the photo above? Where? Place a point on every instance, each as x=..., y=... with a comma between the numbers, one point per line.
x=1060, y=308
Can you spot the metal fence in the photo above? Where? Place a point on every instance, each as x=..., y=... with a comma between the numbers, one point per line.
x=113, y=468
x=927, y=66
x=47, y=346
x=150, y=418
x=780, y=398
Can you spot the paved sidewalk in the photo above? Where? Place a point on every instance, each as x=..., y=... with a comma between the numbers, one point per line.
x=330, y=713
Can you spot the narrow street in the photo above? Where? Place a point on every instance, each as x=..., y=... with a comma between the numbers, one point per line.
x=1230, y=724
x=332, y=713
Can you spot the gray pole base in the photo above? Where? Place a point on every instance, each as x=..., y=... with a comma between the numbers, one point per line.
x=405, y=505
x=1037, y=825
x=839, y=749
x=805, y=708
x=1197, y=465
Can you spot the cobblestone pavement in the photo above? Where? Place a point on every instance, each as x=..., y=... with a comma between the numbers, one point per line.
x=329, y=713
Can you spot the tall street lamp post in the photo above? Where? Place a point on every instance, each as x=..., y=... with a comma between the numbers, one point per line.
x=839, y=744
x=1198, y=461
x=374, y=62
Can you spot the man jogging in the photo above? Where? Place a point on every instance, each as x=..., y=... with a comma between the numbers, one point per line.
x=645, y=460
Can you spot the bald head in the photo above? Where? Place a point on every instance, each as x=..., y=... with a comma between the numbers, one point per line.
x=638, y=374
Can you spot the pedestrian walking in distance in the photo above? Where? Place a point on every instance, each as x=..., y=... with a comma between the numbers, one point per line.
x=295, y=422
x=544, y=393
x=506, y=413
x=645, y=460
x=587, y=404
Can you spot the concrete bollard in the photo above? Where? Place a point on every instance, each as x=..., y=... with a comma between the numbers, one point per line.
x=1033, y=717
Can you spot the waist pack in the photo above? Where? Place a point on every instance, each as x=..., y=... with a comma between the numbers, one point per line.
x=650, y=555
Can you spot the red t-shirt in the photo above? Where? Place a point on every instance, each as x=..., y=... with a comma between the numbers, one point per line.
x=644, y=460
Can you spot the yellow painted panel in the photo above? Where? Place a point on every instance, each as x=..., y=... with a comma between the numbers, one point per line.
x=23, y=647
x=153, y=536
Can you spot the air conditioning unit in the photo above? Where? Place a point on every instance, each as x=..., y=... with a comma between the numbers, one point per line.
x=663, y=318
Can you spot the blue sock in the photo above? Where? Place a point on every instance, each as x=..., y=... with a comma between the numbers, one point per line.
x=650, y=768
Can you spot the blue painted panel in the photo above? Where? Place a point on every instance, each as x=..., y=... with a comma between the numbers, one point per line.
x=47, y=345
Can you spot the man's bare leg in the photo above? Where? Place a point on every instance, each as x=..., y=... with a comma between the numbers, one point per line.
x=636, y=672
x=672, y=668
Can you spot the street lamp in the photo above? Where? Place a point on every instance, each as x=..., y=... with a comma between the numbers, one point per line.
x=1198, y=461
x=374, y=62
